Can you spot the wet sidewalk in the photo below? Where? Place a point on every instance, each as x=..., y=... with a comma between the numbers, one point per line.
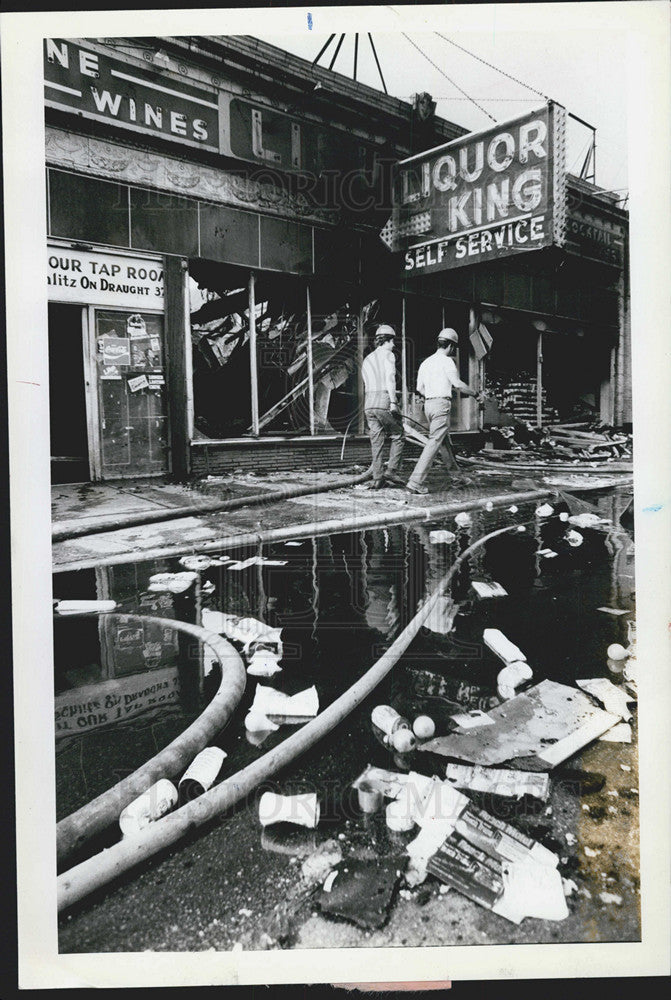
x=98, y=503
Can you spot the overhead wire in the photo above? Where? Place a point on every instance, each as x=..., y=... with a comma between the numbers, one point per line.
x=492, y=66
x=443, y=73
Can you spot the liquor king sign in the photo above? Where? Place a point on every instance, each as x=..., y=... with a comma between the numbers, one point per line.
x=483, y=196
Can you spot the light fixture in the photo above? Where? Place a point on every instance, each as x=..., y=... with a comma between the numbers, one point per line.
x=161, y=59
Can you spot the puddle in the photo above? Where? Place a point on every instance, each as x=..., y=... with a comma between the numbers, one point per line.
x=340, y=600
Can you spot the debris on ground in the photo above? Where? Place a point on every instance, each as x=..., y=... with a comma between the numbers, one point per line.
x=501, y=646
x=483, y=589
x=200, y=563
x=620, y=733
x=255, y=561
x=156, y=802
x=498, y=781
x=471, y=720
x=550, y=722
x=424, y=727
x=511, y=677
x=173, y=583
x=577, y=443
x=614, y=611
x=396, y=729
x=425, y=684
x=258, y=722
x=362, y=891
x=610, y=897
x=442, y=537
x=281, y=707
x=84, y=607
x=301, y=810
x=614, y=699
x=441, y=616
x=318, y=865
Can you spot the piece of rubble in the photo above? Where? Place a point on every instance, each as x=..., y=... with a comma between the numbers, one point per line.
x=590, y=853
x=610, y=897
x=511, y=677
x=442, y=537
x=484, y=589
x=620, y=733
x=318, y=865
x=362, y=891
x=550, y=722
x=501, y=646
x=614, y=699
x=574, y=538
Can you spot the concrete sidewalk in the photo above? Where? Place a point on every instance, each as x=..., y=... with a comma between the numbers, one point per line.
x=360, y=504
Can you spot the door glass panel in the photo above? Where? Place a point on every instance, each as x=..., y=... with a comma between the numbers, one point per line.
x=131, y=391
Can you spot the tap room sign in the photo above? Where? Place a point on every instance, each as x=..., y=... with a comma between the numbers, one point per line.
x=486, y=195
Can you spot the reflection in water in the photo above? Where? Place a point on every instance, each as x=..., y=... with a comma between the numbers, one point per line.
x=340, y=601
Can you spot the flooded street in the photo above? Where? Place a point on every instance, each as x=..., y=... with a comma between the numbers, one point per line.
x=340, y=600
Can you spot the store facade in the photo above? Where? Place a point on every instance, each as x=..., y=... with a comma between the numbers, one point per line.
x=215, y=268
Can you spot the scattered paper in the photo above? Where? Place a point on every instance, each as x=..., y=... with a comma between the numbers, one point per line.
x=614, y=699
x=472, y=720
x=293, y=543
x=614, y=611
x=531, y=890
x=441, y=616
x=620, y=733
x=244, y=630
x=263, y=664
x=547, y=553
x=545, y=510
x=390, y=783
x=587, y=520
x=84, y=607
x=258, y=722
x=199, y=562
x=270, y=702
x=512, y=784
x=256, y=561
x=483, y=589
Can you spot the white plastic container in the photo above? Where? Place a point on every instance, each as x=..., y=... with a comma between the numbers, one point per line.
x=148, y=807
x=303, y=810
x=397, y=730
x=201, y=772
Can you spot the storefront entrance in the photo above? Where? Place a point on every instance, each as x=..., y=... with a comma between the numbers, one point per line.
x=67, y=395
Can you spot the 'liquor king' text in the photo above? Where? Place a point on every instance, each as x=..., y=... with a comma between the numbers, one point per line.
x=511, y=235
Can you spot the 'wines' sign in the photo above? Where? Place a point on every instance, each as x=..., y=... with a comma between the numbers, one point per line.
x=485, y=195
x=118, y=92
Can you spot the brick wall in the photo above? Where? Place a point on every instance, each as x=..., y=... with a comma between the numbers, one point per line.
x=278, y=456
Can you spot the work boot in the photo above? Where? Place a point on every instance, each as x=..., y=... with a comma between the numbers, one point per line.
x=393, y=477
x=418, y=490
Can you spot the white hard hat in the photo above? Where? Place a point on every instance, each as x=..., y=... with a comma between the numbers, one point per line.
x=448, y=335
x=384, y=331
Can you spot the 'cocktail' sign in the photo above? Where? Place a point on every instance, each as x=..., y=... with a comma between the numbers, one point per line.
x=486, y=195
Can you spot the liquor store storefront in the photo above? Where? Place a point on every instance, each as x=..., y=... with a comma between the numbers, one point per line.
x=208, y=313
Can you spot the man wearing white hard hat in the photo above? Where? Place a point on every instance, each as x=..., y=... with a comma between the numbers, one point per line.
x=436, y=378
x=382, y=413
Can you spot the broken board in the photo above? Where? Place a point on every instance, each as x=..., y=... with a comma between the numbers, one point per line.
x=549, y=723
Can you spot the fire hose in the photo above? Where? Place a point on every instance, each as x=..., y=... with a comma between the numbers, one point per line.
x=102, y=868
x=75, y=830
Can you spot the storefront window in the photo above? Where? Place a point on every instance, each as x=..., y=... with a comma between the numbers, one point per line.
x=131, y=393
x=219, y=309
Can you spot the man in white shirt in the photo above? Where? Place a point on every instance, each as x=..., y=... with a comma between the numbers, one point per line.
x=436, y=378
x=382, y=413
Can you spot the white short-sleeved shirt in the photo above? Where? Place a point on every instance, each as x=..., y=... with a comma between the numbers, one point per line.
x=379, y=372
x=437, y=376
